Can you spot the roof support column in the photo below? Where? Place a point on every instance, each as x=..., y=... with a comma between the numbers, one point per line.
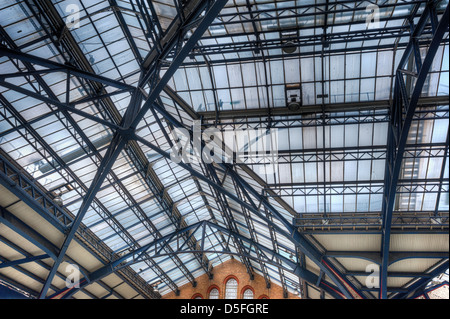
x=402, y=113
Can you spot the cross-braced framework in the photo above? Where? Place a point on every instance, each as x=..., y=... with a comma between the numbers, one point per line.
x=107, y=106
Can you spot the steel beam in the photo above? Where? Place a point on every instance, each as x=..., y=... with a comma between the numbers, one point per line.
x=200, y=227
x=328, y=52
x=129, y=134
x=313, y=109
x=136, y=282
x=224, y=207
x=57, y=67
x=61, y=106
x=394, y=256
x=98, y=206
x=402, y=115
x=297, y=238
x=48, y=150
x=293, y=233
x=79, y=134
x=12, y=179
x=290, y=233
x=441, y=176
x=226, y=213
x=145, y=168
x=28, y=233
x=195, y=116
x=209, y=9
x=303, y=41
x=134, y=114
x=18, y=226
x=413, y=289
x=291, y=11
x=23, y=260
x=113, y=126
x=113, y=152
x=393, y=274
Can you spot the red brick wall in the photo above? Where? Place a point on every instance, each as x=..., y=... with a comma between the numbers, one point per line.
x=230, y=268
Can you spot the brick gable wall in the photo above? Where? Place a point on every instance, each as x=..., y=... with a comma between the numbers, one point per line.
x=235, y=269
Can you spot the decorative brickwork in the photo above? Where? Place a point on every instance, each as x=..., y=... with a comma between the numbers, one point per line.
x=230, y=269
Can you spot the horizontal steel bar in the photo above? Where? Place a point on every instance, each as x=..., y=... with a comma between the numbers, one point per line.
x=23, y=261
x=12, y=54
x=306, y=109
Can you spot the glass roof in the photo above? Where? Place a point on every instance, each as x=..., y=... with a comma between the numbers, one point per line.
x=250, y=60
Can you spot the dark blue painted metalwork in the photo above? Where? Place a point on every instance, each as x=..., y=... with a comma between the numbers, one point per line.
x=304, y=10
x=23, y=261
x=145, y=169
x=441, y=179
x=401, y=118
x=121, y=190
x=157, y=245
x=94, y=243
x=132, y=117
x=35, y=140
x=299, y=41
x=415, y=289
x=157, y=58
x=12, y=222
x=55, y=67
x=292, y=233
x=61, y=106
x=27, y=232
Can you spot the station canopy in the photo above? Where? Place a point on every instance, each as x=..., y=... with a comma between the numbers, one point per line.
x=335, y=114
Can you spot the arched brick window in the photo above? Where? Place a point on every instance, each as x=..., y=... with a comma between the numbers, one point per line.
x=197, y=296
x=213, y=292
x=263, y=297
x=248, y=293
x=231, y=287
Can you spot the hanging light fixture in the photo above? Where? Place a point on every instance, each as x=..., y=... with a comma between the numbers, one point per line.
x=289, y=38
x=289, y=47
x=293, y=96
x=293, y=104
